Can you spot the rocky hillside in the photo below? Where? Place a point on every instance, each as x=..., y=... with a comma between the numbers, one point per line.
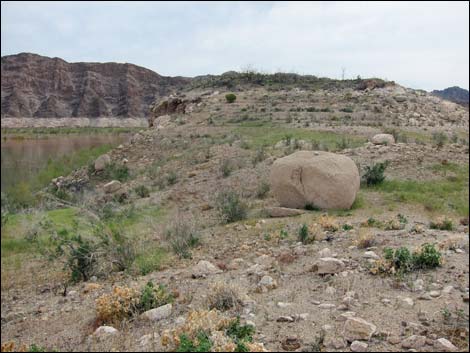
x=454, y=94
x=35, y=86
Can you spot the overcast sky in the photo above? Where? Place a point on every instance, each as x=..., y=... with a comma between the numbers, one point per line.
x=417, y=44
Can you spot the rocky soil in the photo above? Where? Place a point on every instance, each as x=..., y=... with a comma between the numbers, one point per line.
x=320, y=296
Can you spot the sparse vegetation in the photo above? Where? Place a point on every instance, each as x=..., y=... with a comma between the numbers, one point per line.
x=230, y=98
x=263, y=189
x=142, y=191
x=183, y=235
x=374, y=175
x=230, y=207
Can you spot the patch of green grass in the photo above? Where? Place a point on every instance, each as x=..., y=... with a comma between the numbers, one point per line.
x=150, y=261
x=25, y=133
x=258, y=137
x=442, y=195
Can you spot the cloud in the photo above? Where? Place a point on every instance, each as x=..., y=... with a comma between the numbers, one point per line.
x=418, y=44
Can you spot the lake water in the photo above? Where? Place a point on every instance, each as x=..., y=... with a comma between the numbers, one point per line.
x=22, y=158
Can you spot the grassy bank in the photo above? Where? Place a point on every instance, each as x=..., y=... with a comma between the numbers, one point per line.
x=27, y=133
x=448, y=194
x=22, y=194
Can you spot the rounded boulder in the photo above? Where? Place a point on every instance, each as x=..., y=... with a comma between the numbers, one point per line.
x=320, y=179
x=383, y=139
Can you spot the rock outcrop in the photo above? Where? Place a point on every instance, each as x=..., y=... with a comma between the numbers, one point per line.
x=321, y=179
x=35, y=86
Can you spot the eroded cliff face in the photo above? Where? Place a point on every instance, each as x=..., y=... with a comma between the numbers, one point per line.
x=35, y=86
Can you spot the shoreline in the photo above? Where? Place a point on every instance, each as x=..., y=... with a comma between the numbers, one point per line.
x=18, y=123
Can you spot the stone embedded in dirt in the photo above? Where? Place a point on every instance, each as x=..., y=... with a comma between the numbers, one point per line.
x=291, y=343
x=393, y=339
x=358, y=346
x=383, y=139
x=444, y=345
x=105, y=331
x=112, y=186
x=407, y=302
x=325, y=180
x=204, y=269
x=435, y=293
x=266, y=283
x=414, y=342
x=283, y=212
x=285, y=319
x=356, y=328
x=157, y=314
x=371, y=255
x=325, y=253
x=345, y=316
x=327, y=306
x=328, y=265
x=331, y=339
x=283, y=305
x=102, y=161
x=418, y=285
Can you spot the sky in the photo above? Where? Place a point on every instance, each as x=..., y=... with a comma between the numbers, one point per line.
x=417, y=44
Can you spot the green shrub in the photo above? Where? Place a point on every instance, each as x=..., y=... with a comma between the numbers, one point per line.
x=226, y=167
x=439, y=139
x=230, y=98
x=171, y=178
x=153, y=297
x=403, y=261
x=230, y=207
x=347, y=227
x=241, y=334
x=263, y=189
x=116, y=171
x=443, y=223
x=149, y=261
x=259, y=156
x=203, y=344
x=142, y=191
x=374, y=174
x=303, y=234
x=311, y=207
x=183, y=235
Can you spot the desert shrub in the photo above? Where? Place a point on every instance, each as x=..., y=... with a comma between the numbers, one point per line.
x=171, y=177
x=303, y=234
x=288, y=139
x=116, y=171
x=183, y=235
x=223, y=297
x=263, y=189
x=117, y=306
x=397, y=223
x=149, y=260
x=230, y=97
x=328, y=223
x=347, y=110
x=153, y=296
x=105, y=251
x=241, y=335
x=442, y=223
x=347, y=227
x=230, y=207
x=365, y=239
x=201, y=343
x=311, y=207
x=226, y=167
x=374, y=174
x=439, y=139
x=400, y=261
x=142, y=191
x=343, y=143
x=260, y=156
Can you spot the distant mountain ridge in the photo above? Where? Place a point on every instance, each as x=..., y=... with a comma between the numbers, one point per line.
x=454, y=94
x=35, y=86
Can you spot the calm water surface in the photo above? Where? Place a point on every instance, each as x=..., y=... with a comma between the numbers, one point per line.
x=22, y=158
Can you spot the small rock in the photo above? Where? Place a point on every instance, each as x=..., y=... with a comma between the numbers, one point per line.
x=331, y=339
x=406, y=301
x=393, y=339
x=267, y=283
x=285, y=319
x=291, y=343
x=327, y=306
x=435, y=293
x=283, y=305
x=158, y=314
x=414, y=342
x=283, y=212
x=105, y=331
x=328, y=265
x=204, y=269
x=112, y=186
x=325, y=253
x=101, y=162
x=358, y=346
x=444, y=345
x=356, y=328
x=371, y=255
x=447, y=289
